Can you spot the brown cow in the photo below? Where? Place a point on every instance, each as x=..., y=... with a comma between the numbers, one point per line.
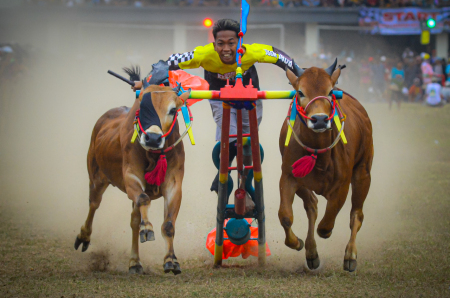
x=113, y=159
x=334, y=169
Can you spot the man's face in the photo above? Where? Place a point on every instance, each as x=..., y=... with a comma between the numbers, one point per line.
x=225, y=45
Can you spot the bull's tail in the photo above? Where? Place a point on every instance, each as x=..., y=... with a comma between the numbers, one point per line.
x=134, y=72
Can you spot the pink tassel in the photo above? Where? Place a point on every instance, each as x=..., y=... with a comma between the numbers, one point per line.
x=157, y=176
x=304, y=166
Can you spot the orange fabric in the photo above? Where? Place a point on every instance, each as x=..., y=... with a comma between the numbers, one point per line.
x=232, y=250
x=187, y=81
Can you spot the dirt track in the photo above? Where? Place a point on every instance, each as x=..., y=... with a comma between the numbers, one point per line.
x=403, y=245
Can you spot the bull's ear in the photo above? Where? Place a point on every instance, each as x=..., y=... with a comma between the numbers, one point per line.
x=292, y=78
x=335, y=76
x=184, y=97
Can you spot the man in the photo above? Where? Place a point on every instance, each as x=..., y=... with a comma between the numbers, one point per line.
x=219, y=61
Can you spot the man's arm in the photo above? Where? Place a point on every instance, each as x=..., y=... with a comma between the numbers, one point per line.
x=270, y=54
x=185, y=60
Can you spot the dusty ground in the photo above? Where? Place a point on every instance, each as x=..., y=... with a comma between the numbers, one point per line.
x=403, y=246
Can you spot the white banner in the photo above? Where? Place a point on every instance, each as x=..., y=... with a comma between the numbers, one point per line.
x=402, y=21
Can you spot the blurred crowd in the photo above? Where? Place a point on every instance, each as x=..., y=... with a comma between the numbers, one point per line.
x=411, y=77
x=262, y=3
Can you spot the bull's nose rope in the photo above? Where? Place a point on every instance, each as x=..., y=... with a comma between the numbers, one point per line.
x=302, y=111
x=316, y=151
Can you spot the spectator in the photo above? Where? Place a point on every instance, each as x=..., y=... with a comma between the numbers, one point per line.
x=311, y=3
x=408, y=54
x=412, y=71
x=396, y=86
x=437, y=69
x=415, y=91
x=445, y=92
x=433, y=93
x=427, y=69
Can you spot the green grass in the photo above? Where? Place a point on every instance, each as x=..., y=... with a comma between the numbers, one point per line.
x=415, y=262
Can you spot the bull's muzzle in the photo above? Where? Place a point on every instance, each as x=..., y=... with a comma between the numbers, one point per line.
x=319, y=122
x=153, y=140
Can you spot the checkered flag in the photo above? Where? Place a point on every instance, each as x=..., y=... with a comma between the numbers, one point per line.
x=179, y=58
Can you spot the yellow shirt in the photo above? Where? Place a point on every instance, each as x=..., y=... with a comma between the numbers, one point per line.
x=208, y=58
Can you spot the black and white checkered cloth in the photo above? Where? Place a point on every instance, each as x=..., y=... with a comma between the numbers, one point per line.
x=179, y=58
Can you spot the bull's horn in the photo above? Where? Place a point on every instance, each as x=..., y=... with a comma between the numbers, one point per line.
x=177, y=88
x=330, y=69
x=297, y=70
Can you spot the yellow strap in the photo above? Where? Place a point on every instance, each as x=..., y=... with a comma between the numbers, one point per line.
x=338, y=125
x=289, y=134
x=135, y=134
x=191, y=136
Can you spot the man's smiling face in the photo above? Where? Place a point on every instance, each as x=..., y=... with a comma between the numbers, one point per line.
x=225, y=45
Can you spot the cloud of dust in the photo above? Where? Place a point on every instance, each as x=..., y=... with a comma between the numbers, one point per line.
x=48, y=116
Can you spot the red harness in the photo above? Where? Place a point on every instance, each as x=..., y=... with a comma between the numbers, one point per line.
x=164, y=135
x=305, y=165
x=302, y=111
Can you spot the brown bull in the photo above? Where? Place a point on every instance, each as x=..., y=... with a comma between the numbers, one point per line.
x=334, y=170
x=114, y=160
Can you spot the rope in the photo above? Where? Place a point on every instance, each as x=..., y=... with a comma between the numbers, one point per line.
x=316, y=151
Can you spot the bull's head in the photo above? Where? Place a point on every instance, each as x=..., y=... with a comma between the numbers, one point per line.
x=314, y=85
x=157, y=112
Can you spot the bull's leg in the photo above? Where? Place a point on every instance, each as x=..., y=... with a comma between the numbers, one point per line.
x=335, y=201
x=172, y=201
x=140, y=225
x=285, y=214
x=310, y=205
x=135, y=265
x=96, y=190
x=360, y=187
x=135, y=187
x=146, y=232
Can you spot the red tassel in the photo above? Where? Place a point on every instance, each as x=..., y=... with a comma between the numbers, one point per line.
x=304, y=165
x=157, y=176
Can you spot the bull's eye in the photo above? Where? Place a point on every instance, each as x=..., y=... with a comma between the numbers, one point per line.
x=173, y=111
x=300, y=93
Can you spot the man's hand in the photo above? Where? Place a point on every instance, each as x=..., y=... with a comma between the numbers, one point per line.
x=137, y=86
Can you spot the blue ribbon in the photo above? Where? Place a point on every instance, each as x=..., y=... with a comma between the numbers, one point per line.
x=245, y=10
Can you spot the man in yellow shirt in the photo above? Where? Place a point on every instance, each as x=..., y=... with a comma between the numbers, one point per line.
x=218, y=59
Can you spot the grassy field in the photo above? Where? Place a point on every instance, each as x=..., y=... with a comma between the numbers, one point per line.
x=413, y=261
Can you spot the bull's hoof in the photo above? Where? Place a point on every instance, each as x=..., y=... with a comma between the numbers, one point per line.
x=78, y=242
x=350, y=265
x=168, y=267
x=136, y=269
x=302, y=244
x=176, y=268
x=324, y=233
x=147, y=235
x=313, y=264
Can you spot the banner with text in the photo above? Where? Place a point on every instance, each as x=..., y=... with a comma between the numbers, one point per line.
x=402, y=21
